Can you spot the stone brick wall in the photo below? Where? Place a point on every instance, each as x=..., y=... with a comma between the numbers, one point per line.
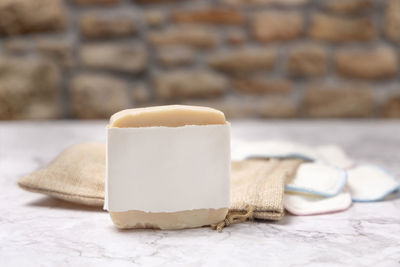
x=249, y=58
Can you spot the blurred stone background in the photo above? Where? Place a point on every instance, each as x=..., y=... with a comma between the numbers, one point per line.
x=250, y=58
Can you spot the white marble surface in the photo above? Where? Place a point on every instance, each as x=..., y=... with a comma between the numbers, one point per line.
x=39, y=231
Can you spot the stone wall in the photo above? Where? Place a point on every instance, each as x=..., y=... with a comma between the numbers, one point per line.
x=249, y=58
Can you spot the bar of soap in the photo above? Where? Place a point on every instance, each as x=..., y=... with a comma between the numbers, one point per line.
x=170, y=116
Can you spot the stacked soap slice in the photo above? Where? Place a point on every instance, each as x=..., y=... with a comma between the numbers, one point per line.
x=328, y=181
x=317, y=188
x=369, y=183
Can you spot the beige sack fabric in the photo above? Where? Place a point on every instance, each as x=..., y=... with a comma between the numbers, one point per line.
x=257, y=188
x=77, y=175
x=260, y=184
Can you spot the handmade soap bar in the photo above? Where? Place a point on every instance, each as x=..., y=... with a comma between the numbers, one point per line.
x=168, y=167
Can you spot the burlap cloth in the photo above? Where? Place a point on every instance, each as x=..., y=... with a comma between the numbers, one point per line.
x=77, y=175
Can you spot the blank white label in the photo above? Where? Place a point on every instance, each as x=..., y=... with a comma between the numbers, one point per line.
x=168, y=169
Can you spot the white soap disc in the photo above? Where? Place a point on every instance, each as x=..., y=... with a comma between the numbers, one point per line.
x=272, y=149
x=301, y=204
x=317, y=178
x=334, y=155
x=370, y=183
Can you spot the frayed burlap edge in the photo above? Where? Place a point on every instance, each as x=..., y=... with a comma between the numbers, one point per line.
x=265, y=174
x=74, y=198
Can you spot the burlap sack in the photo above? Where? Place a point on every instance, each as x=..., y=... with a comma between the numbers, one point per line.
x=257, y=188
x=78, y=174
x=260, y=184
x=75, y=175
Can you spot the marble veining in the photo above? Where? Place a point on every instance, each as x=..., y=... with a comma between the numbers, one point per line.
x=39, y=231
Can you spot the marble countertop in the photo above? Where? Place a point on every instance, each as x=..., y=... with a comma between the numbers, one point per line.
x=39, y=231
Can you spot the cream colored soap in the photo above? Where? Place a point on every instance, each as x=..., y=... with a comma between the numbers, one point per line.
x=169, y=116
